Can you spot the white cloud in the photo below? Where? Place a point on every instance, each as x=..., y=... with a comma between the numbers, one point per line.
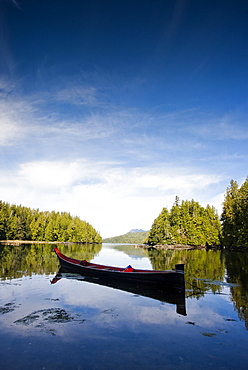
x=49, y=175
x=138, y=165
x=112, y=198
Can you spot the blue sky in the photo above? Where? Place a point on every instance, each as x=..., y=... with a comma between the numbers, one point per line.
x=109, y=109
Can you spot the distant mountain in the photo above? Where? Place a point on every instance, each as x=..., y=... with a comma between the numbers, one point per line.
x=132, y=237
x=136, y=231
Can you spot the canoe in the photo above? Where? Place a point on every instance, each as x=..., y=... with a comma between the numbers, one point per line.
x=167, y=294
x=173, y=278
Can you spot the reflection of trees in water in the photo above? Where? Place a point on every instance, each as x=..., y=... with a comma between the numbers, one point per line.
x=205, y=267
x=39, y=258
x=199, y=264
x=237, y=272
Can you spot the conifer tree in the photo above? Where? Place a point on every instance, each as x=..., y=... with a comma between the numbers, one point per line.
x=186, y=223
x=235, y=216
x=18, y=222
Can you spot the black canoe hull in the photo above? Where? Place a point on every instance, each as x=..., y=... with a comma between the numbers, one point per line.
x=171, y=278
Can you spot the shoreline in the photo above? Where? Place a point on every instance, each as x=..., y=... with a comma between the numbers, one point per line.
x=191, y=247
x=179, y=247
x=19, y=242
x=143, y=246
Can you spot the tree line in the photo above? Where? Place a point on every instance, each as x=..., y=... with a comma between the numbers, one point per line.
x=189, y=223
x=235, y=215
x=23, y=223
x=186, y=223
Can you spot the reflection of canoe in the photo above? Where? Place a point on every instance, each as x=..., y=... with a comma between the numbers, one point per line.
x=173, y=278
x=154, y=291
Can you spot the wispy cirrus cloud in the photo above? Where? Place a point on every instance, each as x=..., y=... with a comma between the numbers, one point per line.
x=231, y=126
x=23, y=116
x=83, y=111
x=16, y=3
x=36, y=125
x=78, y=95
x=15, y=118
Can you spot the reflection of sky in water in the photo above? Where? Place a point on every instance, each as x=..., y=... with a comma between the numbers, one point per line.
x=73, y=322
x=115, y=257
x=36, y=293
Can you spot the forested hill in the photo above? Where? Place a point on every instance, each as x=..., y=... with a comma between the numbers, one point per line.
x=189, y=223
x=186, y=223
x=131, y=237
x=22, y=223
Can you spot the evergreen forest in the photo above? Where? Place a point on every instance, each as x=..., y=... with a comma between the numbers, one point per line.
x=186, y=223
x=189, y=223
x=22, y=223
x=235, y=216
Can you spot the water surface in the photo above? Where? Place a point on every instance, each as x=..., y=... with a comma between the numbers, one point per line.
x=76, y=324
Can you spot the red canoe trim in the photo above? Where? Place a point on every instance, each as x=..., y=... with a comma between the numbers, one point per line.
x=88, y=265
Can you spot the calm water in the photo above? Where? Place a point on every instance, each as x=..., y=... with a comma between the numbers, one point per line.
x=75, y=324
